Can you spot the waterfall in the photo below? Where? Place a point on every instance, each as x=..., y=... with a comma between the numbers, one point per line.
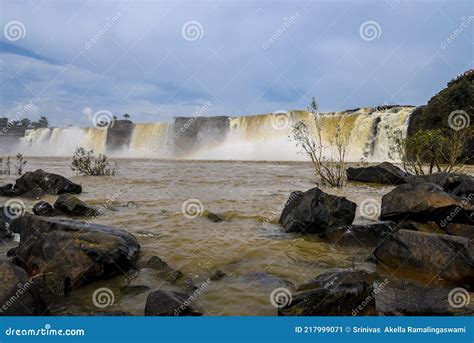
x=61, y=141
x=366, y=131
x=150, y=140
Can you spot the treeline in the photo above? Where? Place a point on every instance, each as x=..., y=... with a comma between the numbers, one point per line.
x=24, y=123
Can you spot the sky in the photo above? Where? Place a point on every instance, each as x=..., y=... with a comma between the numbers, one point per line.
x=155, y=60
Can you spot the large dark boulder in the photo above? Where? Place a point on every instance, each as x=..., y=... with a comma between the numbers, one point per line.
x=315, y=211
x=16, y=296
x=424, y=202
x=361, y=236
x=428, y=256
x=335, y=293
x=80, y=253
x=38, y=183
x=164, y=303
x=72, y=206
x=462, y=230
x=383, y=173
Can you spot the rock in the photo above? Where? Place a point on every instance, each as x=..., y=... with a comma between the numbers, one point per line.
x=424, y=202
x=72, y=206
x=48, y=286
x=218, y=275
x=214, y=217
x=162, y=303
x=421, y=255
x=384, y=173
x=38, y=183
x=5, y=220
x=16, y=297
x=315, y=211
x=462, y=230
x=403, y=298
x=335, y=293
x=45, y=209
x=174, y=276
x=80, y=253
x=6, y=190
x=363, y=236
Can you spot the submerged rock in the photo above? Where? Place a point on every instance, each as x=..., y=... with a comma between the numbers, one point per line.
x=424, y=202
x=429, y=256
x=384, y=173
x=214, y=217
x=335, y=293
x=72, y=206
x=315, y=211
x=163, y=303
x=363, y=236
x=38, y=183
x=80, y=253
x=174, y=276
x=16, y=297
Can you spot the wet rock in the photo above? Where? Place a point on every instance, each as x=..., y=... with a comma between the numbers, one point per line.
x=80, y=253
x=45, y=209
x=218, y=275
x=5, y=220
x=6, y=190
x=420, y=255
x=424, y=202
x=174, y=276
x=16, y=297
x=72, y=206
x=403, y=298
x=363, y=236
x=38, y=183
x=335, y=293
x=163, y=303
x=384, y=173
x=315, y=211
x=462, y=230
x=48, y=286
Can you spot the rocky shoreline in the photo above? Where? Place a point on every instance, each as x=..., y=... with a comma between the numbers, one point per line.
x=421, y=250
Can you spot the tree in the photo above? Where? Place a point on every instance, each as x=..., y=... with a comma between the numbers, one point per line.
x=126, y=116
x=43, y=122
x=328, y=160
x=25, y=123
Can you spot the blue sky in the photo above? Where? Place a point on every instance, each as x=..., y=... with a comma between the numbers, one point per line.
x=72, y=58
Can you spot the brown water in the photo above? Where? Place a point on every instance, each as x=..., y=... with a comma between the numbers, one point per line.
x=251, y=248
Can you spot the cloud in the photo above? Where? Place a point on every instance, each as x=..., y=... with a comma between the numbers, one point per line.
x=131, y=57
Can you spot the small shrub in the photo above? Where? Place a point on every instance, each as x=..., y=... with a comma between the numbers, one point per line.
x=6, y=168
x=85, y=162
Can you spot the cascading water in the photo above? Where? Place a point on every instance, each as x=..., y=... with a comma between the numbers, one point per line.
x=366, y=132
x=61, y=141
